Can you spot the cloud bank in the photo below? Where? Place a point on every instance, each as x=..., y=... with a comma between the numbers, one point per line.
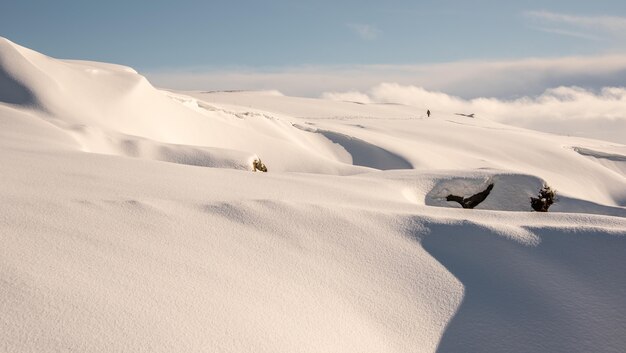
x=468, y=79
x=563, y=110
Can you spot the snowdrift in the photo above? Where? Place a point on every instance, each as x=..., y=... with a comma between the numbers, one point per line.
x=131, y=221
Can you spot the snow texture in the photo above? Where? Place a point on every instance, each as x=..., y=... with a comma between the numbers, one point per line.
x=131, y=221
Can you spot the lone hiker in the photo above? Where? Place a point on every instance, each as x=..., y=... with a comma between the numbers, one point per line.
x=428, y=113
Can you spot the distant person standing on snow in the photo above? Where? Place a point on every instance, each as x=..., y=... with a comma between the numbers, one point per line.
x=428, y=113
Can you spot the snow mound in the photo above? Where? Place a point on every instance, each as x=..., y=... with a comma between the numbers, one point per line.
x=111, y=109
x=511, y=192
x=99, y=141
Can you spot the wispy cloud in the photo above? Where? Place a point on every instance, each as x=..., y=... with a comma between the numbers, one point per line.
x=367, y=32
x=607, y=23
x=587, y=27
x=570, y=33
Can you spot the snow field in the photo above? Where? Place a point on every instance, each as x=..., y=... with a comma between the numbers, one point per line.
x=131, y=221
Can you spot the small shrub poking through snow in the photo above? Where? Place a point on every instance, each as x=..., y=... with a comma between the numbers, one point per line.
x=544, y=200
x=258, y=165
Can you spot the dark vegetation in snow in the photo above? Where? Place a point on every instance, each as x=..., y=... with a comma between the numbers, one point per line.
x=472, y=201
x=544, y=200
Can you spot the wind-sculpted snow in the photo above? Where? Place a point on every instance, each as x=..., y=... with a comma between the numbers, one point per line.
x=367, y=155
x=600, y=155
x=613, y=161
x=14, y=80
x=131, y=221
x=13, y=91
x=561, y=295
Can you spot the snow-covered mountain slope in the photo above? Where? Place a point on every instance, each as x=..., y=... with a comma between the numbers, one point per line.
x=115, y=236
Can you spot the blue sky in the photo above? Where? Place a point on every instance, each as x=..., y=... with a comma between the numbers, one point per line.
x=166, y=38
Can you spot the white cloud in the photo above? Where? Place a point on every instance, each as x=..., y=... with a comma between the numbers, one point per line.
x=367, y=32
x=469, y=79
x=563, y=110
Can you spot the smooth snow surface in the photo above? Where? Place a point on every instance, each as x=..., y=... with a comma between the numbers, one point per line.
x=131, y=222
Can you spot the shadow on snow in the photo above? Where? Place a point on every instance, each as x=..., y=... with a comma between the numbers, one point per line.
x=566, y=294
